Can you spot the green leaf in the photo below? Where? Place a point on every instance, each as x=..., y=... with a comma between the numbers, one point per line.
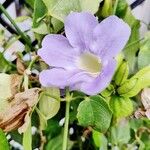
x=30, y=3
x=121, y=106
x=133, y=86
x=120, y=133
x=144, y=53
x=41, y=29
x=100, y=140
x=56, y=143
x=124, y=12
x=73, y=112
x=5, y=65
x=135, y=124
x=21, y=18
x=94, y=112
x=59, y=9
x=90, y=5
x=49, y=106
x=108, y=91
x=27, y=138
x=57, y=25
x=3, y=141
x=121, y=8
x=39, y=11
x=53, y=128
x=42, y=119
x=132, y=47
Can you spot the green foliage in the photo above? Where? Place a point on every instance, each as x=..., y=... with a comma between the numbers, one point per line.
x=49, y=106
x=59, y=9
x=108, y=91
x=56, y=143
x=21, y=18
x=144, y=53
x=121, y=106
x=30, y=3
x=39, y=11
x=133, y=86
x=107, y=8
x=41, y=29
x=53, y=129
x=120, y=134
x=27, y=138
x=89, y=5
x=122, y=73
x=132, y=47
x=5, y=65
x=100, y=140
x=3, y=141
x=99, y=122
x=94, y=112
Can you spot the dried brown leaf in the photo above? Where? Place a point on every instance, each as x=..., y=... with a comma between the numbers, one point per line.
x=139, y=113
x=9, y=85
x=15, y=113
x=20, y=66
x=145, y=98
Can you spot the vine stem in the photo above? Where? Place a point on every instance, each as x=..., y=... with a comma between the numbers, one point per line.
x=24, y=37
x=65, y=137
x=115, y=6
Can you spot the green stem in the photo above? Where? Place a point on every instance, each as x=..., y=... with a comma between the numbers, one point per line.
x=26, y=39
x=115, y=6
x=65, y=137
x=32, y=62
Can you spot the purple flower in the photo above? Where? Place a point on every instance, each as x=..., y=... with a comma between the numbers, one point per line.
x=84, y=59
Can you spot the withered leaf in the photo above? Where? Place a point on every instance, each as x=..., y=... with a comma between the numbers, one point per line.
x=147, y=113
x=20, y=66
x=145, y=98
x=14, y=113
x=139, y=113
x=9, y=85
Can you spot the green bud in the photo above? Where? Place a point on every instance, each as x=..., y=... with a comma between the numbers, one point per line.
x=127, y=87
x=133, y=86
x=122, y=73
x=107, y=8
x=108, y=91
x=121, y=106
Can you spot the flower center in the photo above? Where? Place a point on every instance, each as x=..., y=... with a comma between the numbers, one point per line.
x=89, y=63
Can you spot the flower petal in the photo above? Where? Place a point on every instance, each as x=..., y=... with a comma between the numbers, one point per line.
x=79, y=29
x=79, y=77
x=56, y=51
x=110, y=37
x=54, y=78
x=102, y=81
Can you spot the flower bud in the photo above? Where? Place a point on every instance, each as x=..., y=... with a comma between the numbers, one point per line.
x=122, y=73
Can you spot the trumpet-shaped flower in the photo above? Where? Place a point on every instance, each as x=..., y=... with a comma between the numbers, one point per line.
x=84, y=59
